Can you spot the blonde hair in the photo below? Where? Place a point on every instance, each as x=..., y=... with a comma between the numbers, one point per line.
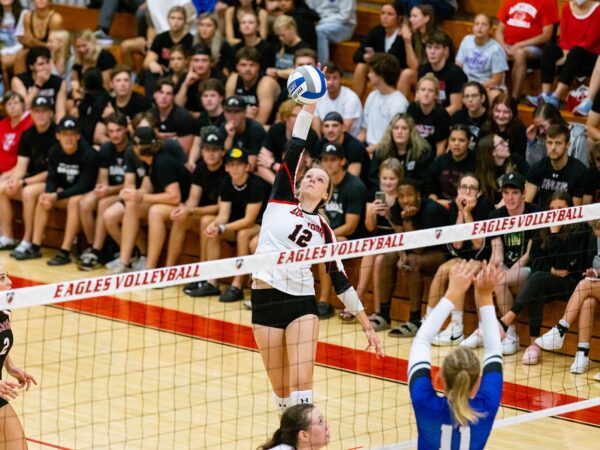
x=394, y=165
x=416, y=146
x=429, y=76
x=65, y=37
x=216, y=42
x=87, y=35
x=178, y=9
x=286, y=109
x=461, y=370
x=284, y=22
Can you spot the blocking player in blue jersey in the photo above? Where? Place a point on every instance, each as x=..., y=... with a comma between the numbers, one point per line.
x=462, y=418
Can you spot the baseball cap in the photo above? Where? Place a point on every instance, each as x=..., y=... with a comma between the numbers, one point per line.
x=236, y=154
x=333, y=149
x=212, y=136
x=68, y=123
x=144, y=136
x=513, y=179
x=333, y=115
x=40, y=101
x=235, y=103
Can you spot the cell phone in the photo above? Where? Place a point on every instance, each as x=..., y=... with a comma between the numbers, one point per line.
x=380, y=195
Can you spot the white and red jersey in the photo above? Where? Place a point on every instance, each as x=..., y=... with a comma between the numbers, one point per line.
x=285, y=226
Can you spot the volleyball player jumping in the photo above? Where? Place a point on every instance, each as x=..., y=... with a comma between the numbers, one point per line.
x=463, y=418
x=284, y=310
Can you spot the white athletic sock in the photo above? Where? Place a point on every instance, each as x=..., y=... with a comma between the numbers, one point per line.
x=457, y=317
x=512, y=331
x=281, y=404
x=564, y=323
x=301, y=397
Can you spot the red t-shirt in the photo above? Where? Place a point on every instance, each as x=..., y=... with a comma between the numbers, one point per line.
x=582, y=31
x=526, y=19
x=9, y=141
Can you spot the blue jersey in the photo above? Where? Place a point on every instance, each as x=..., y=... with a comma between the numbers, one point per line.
x=434, y=418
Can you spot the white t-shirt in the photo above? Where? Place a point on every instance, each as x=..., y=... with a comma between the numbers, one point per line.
x=379, y=110
x=480, y=62
x=347, y=104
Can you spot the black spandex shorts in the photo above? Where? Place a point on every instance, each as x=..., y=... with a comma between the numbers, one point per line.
x=274, y=308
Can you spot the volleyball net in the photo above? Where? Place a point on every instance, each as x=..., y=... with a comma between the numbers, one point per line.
x=130, y=361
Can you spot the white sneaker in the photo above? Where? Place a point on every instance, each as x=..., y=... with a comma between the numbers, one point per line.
x=475, y=340
x=452, y=335
x=114, y=263
x=510, y=344
x=581, y=363
x=7, y=243
x=247, y=304
x=139, y=264
x=597, y=376
x=119, y=268
x=551, y=340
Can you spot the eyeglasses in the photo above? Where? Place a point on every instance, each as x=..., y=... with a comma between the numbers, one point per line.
x=502, y=142
x=468, y=187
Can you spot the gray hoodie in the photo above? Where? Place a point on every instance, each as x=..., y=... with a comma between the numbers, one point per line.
x=343, y=11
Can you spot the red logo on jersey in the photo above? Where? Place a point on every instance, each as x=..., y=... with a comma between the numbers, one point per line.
x=297, y=212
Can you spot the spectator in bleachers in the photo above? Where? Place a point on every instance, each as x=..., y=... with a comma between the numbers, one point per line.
x=91, y=107
x=476, y=110
x=38, y=80
x=403, y=142
x=384, y=101
x=124, y=99
x=576, y=53
x=89, y=53
x=380, y=200
x=259, y=92
x=345, y=211
x=109, y=8
x=114, y=155
x=208, y=33
x=242, y=199
x=203, y=199
x=337, y=21
x=72, y=171
x=251, y=38
x=558, y=259
x=545, y=115
x=557, y=172
x=444, y=9
x=440, y=62
x=431, y=118
x=493, y=159
x=200, y=70
x=584, y=107
x=447, y=169
x=306, y=19
x=593, y=121
x=482, y=58
x=285, y=50
x=277, y=140
x=468, y=207
x=421, y=22
x=10, y=16
x=505, y=122
x=34, y=31
x=179, y=60
x=28, y=179
x=510, y=251
x=156, y=62
x=234, y=17
x=357, y=158
x=591, y=184
x=413, y=212
x=341, y=99
x=62, y=57
x=212, y=93
x=242, y=132
x=174, y=122
x=582, y=303
x=388, y=37
x=525, y=25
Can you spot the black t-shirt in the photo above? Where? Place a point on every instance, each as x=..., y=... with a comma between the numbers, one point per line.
x=49, y=89
x=209, y=181
x=284, y=54
x=482, y=211
x=431, y=215
x=114, y=161
x=251, y=139
x=515, y=244
x=140, y=168
x=104, y=62
x=568, y=179
x=205, y=120
x=433, y=127
x=162, y=44
x=414, y=167
x=255, y=190
x=475, y=124
x=349, y=197
x=75, y=174
x=249, y=94
x=375, y=39
x=445, y=173
x=193, y=102
x=137, y=103
x=179, y=122
x=383, y=224
x=266, y=50
x=277, y=143
x=35, y=146
x=451, y=78
x=591, y=184
x=516, y=136
x=355, y=153
x=166, y=170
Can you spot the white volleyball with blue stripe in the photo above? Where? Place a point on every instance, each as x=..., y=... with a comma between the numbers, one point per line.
x=306, y=85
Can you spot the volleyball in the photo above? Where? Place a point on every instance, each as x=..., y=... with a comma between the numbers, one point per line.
x=306, y=85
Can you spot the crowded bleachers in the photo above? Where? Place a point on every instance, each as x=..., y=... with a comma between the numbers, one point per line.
x=161, y=132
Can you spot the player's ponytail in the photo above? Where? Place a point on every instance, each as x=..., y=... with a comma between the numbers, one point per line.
x=295, y=419
x=460, y=371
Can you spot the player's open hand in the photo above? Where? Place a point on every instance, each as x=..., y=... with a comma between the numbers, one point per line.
x=8, y=390
x=25, y=380
x=461, y=277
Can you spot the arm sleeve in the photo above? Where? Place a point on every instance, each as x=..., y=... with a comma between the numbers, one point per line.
x=87, y=178
x=419, y=362
x=492, y=353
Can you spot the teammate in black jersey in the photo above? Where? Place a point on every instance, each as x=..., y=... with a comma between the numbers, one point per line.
x=284, y=310
x=11, y=431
